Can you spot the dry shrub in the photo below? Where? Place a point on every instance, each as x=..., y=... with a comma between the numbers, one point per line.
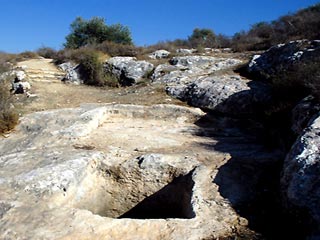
x=27, y=55
x=304, y=24
x=91, y=65
x=8, y=120
x=65, y=55
x=298, y=80
x=8, y=117
x=6, y=61
x=47, y=52
x=117, y=49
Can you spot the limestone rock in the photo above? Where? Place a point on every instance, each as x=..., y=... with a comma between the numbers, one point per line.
x=185, y=51
x=73, y=73
x=128, y=70
x=20, y=87
x=203, y=62
x=302, y=113
x=225, y=94
x=184, y=69
x=20, y=75
x=166, y=73
x=65, y=175
x=300, y=181
x=159, y=54
x=283, y=56
x=20, y=84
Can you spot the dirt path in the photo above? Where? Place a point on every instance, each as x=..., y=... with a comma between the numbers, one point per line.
x=51, y=93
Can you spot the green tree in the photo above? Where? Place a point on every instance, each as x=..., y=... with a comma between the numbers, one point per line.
x=119, y=34
x=95, y=31
x=202, y=38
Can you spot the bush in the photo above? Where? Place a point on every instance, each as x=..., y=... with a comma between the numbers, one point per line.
x=304, y=24
x=27, y=55
x=92, y=68
x=8, y=117
x=298, y=81
x=116, y=49
x=63, y=56
x=47, y=52
x=170, y=46
x=202, y=38
x=199, y=39
x=5, y=61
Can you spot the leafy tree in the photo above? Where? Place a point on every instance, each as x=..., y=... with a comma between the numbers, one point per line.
x=95, y=31
x=119, y=34
x=202, y=38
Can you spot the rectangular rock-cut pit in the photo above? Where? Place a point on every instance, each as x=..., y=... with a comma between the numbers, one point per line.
x=129, y=193
x=172, y=201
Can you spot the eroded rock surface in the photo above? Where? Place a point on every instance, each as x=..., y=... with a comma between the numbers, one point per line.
x=303, y=113
x=128, y=70
x=159, y=54
x=229, y=94
x=92, y=172
x=283, y=56
x=73, y=73
x=300, y=181
x=186, y=51
x=185, y=69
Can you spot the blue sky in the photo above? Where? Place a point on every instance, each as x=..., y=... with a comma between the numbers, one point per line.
x=30, y=24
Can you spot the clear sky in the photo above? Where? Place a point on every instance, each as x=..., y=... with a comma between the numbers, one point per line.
x=30, y=24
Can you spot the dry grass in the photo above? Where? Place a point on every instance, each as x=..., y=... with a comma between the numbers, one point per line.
x=8, y=116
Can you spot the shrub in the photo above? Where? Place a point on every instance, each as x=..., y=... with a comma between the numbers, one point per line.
x=91, y=65
x=116, y=49
x=27, y=55
x=5, y=61
x=199, y=39
x=47, y=52
x=92, y=68
x=8, y=117
x=64, y=55
x=299, y=80
x=304, y=24
x=170, y=46
x=202, y=38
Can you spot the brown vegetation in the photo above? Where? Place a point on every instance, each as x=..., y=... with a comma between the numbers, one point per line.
x=304, y=24
x=117, y=49
x=8, y=117
x=47, y=52
x=91, y=62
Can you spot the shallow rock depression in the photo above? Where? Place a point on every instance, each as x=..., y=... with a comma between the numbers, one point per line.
x=112, y=172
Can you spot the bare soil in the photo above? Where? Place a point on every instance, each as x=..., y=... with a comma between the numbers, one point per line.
x=54, y=94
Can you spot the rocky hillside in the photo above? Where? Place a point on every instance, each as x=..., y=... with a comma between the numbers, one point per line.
x=136, y=163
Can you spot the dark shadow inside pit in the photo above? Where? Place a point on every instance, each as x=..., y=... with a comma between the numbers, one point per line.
x=172, y=201
x=250, y=180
